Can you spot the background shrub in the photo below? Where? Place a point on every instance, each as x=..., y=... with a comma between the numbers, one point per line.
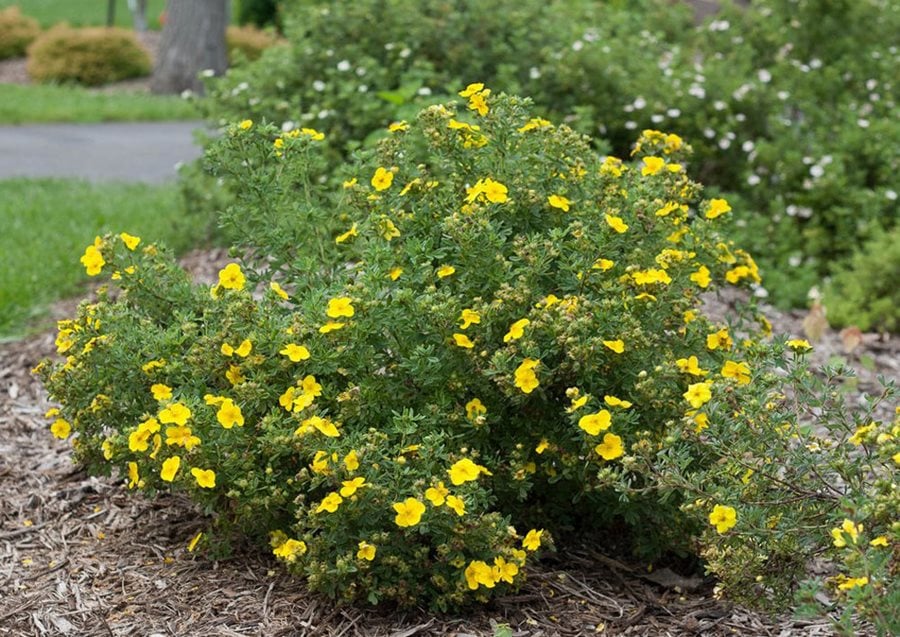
x=16, y=32
x=782, y=117
x=258, y=12
x=864, y=291
x=249, y=41
x=90, y=56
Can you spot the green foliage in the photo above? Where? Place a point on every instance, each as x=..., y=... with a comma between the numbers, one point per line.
x=21, y=104
x=258, y=12
x=800, y=131
x=16, y=32
x=248, y=42
x=498, y=329
x=864, y=292
x=46, y=219
x=90, y=56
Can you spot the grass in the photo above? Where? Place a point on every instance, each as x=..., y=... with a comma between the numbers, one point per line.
x=21, y=104
x=47, y=223
x=84, y=12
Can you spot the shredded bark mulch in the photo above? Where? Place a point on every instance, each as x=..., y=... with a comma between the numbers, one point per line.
x=81, y=556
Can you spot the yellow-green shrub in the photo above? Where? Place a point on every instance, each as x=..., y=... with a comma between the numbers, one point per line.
x=90, y=56
x=249, y=41
x=16, y=32
x=486, y=306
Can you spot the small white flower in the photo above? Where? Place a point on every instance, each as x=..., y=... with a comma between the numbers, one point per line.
x=361, y=71
x=207, y=73
x=323, y=113
x=534, y=73
x=709, y=133
x=577, y=45
x=724, y=143
x=405, y=53
x=630, y=125
x=748, y=146
x=817, y=171
x=719, y=105
x=288, y=126
x=673, y=112
x=764, y=76
x=318, y=85
x=891, y=195
x=639, y=103
x=343, y=65
x=862, y=122
x=795, y=261
x=657, y=118
x=424, y=91
x=363, y=88
x=783, y=95
x=753, y=179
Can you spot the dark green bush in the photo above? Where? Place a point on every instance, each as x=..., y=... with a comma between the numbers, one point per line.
x=16, y=32
x=248, y=42
x=864, y=292
x=91, y=56
x=260, y=13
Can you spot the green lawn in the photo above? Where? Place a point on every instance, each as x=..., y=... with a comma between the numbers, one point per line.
x=35, y=103
x=47, y=224
x=83, y=12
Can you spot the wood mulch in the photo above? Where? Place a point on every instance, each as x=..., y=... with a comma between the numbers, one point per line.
x=82, y=556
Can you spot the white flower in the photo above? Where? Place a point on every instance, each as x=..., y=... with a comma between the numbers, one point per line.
x=657, y=118
x=343, y=65
x=534, y=73
x=673, y=112
x=577, y=45
x=764, y=76
x=862, y=122
x=891, y=195
x=630, y=125
x=424, y=91
x=639, y=103
x=318, y=85
x=816, y=171
x=753, y=179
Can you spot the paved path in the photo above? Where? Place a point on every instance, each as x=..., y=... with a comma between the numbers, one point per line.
x=136, y=152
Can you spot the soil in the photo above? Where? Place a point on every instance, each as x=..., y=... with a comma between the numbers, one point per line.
x=82, y=556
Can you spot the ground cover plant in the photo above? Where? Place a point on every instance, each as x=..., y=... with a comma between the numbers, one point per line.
x=488, y=335
x=790, y=105
x=16, y=32
x=45, y=219
x=23, y=104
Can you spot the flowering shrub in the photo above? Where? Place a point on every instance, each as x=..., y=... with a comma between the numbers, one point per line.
x=793, y=113
x=488, y=333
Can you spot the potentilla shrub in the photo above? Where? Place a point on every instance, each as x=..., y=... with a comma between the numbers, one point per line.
x=487, y=334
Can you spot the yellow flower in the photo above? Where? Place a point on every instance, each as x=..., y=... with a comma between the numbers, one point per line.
x=516, y=330
x=799, y=345
x=698, y=394
x=61, y=428
x=246, y=124
x=445, y=270
x=593, y=424
x=525, y=378
x=559, y=202
x=387, y=229
x=880, y=541
x=349, y=183
x=352, y=232
x=175, y=414
x=478, y=102
x=150, y=366
x=229, y=414
x=234, y=375
x=349, y=487
x=690, y=366
x=437, y=495
x=161, y=392
x=465, y=470
x=131, y=242
x=651, y=276
x=243, y=350
x=382, y=179
x=487, y=188
x=456, y=504
x=542, y=446
x=313, y=134
x=396, y=127
x=134, y=478
x=322, y=425
x=701, y=277
x=478, y=573
x=738, y=371
x=474, y=409
x=206, y=478
x=170, y=468
x=532, y=541
x=468, y=317
x=290, y=550
x=611, y=447
x=848, y=530
x=194, y=541
x=717, y=208
x=179, y=436
x=463, y=341
x=616, y=223
x=535, y=123
x=853, y=582
x=92, y=260
x=719, y=340
x=505, y=571
x=409, y=512
x=603, y=265
x=331, y=326
x=723, y=518
x=395, y=273
x=295, y=353
x=330, y=503
x=351, y=461
x=618, y=346
x=612, y=166
x=366, y=551
x=231, y=277
x=338, y=307
x=612, y=401
x=472, y=89
x=652, y=165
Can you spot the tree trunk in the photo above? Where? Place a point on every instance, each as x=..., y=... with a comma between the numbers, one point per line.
x=139, y=14
x=193, y=40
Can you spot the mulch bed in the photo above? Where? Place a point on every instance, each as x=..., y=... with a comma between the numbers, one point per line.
x=81, y=556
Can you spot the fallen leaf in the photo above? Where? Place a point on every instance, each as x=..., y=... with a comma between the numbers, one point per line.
x=851, y=337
